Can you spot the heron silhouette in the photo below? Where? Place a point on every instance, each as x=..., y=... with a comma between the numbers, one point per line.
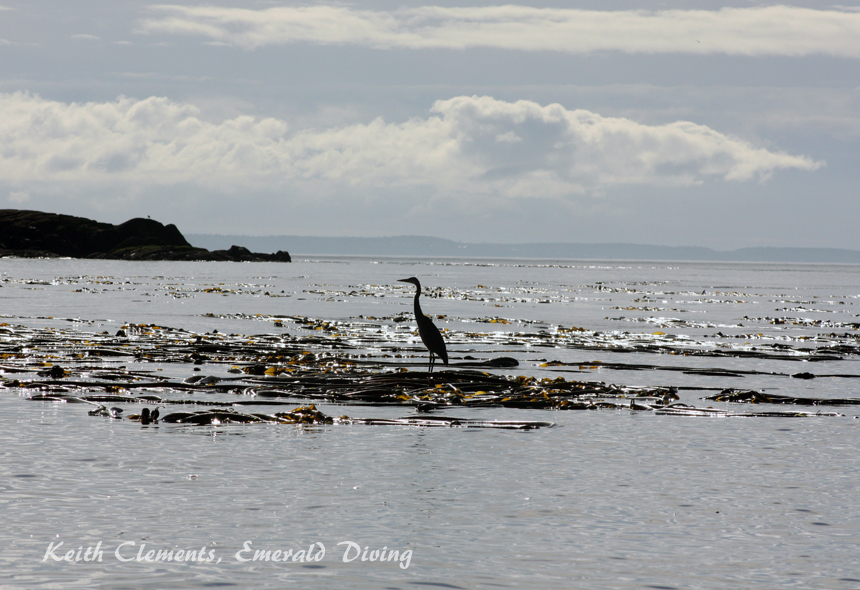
x=430, y=335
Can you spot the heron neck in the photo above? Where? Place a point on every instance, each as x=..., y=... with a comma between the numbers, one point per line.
x=417, y=305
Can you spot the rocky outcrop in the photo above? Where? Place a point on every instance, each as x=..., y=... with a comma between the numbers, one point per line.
x=32, y=234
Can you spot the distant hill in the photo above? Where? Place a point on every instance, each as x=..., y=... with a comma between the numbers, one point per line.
x=439, y=247
x=36, y=234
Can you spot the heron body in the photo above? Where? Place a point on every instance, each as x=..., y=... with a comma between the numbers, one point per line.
x=430, y=334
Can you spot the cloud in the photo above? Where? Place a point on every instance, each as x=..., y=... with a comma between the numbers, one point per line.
x=19, y=197
x=766, y=30
x=468, y=144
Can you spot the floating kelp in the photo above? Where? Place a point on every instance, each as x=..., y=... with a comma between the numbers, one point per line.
x=304, y=415
x=426, y=392
x=333, y=365
x=685, y=410
x=710, y=371
x=447, y=388
x=443, y=388
x=309, y=415
x=747, y=396
x=442, y=421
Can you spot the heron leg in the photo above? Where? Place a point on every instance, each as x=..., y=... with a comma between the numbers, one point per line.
x=431, y=362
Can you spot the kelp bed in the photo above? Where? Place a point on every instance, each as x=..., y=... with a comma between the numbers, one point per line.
x=73, y=366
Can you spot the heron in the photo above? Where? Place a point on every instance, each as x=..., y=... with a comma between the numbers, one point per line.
x=430, y=335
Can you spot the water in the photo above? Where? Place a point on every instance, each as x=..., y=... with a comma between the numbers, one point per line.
x=606, y=499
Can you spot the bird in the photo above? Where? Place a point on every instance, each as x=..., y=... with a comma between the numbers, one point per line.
x=430, y=335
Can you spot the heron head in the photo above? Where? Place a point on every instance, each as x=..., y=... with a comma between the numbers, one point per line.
x=411, y=280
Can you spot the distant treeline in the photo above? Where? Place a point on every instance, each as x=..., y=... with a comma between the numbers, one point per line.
x=439, y=247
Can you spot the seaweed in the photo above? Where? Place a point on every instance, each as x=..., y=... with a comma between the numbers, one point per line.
x=74, y=366
x=747, y=396
x=310, y=415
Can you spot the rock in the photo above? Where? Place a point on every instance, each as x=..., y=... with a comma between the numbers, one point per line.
x=241, y=254
x=34, y=234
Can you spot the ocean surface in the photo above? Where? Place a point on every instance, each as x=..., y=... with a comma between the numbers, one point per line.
x=603, y=499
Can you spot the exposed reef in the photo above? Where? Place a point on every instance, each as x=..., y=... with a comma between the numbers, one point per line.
x=34, y=234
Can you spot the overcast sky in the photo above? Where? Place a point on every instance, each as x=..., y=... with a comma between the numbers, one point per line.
x=722, y=124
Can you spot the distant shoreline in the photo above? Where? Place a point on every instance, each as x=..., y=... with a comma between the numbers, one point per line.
x=439, y=247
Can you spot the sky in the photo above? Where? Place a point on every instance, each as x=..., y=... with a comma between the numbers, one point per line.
x=721, y=124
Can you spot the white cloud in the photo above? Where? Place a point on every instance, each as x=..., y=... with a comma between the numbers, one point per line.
x=475, y=145
x=766, y=30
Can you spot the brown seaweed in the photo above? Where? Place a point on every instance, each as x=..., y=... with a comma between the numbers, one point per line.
x=748, y=396
x=309, y=415
x=74, y=366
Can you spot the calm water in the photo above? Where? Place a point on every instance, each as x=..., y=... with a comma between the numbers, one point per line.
x=608, y=499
